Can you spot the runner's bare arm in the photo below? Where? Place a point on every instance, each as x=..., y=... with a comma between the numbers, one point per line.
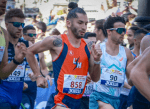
x=49, y=43
x=140, y=75
x=94, y=69
x=129, y=60
x=5, y=68
x=130, y=67
x=43, y=65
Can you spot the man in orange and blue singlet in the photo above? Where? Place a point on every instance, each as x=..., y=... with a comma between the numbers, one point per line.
x=72, y=59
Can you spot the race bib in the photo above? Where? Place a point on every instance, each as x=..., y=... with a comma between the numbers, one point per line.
x=1, y=52
x=28, y=71
x=17, y=75
x=112, y=77
x=88, y=89
x=73, y=84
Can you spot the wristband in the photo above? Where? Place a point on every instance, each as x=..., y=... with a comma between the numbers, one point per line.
x=97, y=62
x=38, y=76
x=42, y=74
x=16, y=62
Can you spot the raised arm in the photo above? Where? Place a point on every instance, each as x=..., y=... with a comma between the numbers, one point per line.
x=7, y=68
x=45, y=44
x=94, y=65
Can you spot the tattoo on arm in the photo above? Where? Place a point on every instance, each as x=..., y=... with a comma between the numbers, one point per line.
x=57, y=42
x=89, y=44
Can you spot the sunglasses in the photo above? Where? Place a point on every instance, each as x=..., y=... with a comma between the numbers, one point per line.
x=119, y=30
x=18, y=24
x=30, y=34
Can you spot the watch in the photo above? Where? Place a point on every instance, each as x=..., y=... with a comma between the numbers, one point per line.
x=16, y=62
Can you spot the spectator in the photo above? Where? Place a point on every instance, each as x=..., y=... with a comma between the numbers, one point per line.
x=54, y=32
x=99, y=30
x=130, y=35
x=41, y=29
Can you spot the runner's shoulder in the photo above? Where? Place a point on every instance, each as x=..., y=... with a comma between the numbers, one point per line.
x=52, y=38
x=128, y=52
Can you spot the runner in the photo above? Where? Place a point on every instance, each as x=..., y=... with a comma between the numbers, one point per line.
x=139, y=100
x=5, y=68
x=130, y=34
x=11, y=87
x=141, y=64
x=114, y=60
x=127, y=96
x=99, y=30
x=29, y=95
x=71, y=61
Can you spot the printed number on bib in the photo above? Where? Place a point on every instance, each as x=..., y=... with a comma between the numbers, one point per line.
x=73, y=84
x=18, y=74
x=112, y=77
x=88, y=89
x=28, y=71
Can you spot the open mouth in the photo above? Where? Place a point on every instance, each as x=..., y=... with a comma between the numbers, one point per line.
x=82, y=33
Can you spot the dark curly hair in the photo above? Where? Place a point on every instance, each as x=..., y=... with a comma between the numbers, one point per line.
x=109, y=23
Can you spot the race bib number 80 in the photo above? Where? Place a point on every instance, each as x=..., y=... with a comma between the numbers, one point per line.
x=73, y=84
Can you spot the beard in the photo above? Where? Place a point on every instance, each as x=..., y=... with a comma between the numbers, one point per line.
x=2, y=11
x=117, y=41
x=76, y=32
x=15, y=36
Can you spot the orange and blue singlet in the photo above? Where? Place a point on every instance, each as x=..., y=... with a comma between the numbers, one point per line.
x=70, y=70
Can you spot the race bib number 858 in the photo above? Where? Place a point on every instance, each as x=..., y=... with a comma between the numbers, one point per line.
x=73, y=84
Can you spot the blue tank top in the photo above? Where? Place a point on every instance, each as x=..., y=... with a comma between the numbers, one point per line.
x=112, y=72
x=11, y=87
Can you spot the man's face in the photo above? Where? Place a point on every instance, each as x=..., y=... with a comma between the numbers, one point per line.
x=15, y=32
x=30, y=35
x=2, y=6
x=93, y=39
x=97, y=32
x=79, y=25
x=38, y=31
x=115, y=36
x=130, y=35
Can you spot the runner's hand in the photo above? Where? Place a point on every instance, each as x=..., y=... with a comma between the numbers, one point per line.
x=32, y=77
x=88, y=79
x=41, y=82
x=20, y=51
x=96, y=51
x=50, y=79
x=25, y=86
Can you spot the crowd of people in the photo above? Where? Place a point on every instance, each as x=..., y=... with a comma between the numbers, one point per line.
x=91, y=70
